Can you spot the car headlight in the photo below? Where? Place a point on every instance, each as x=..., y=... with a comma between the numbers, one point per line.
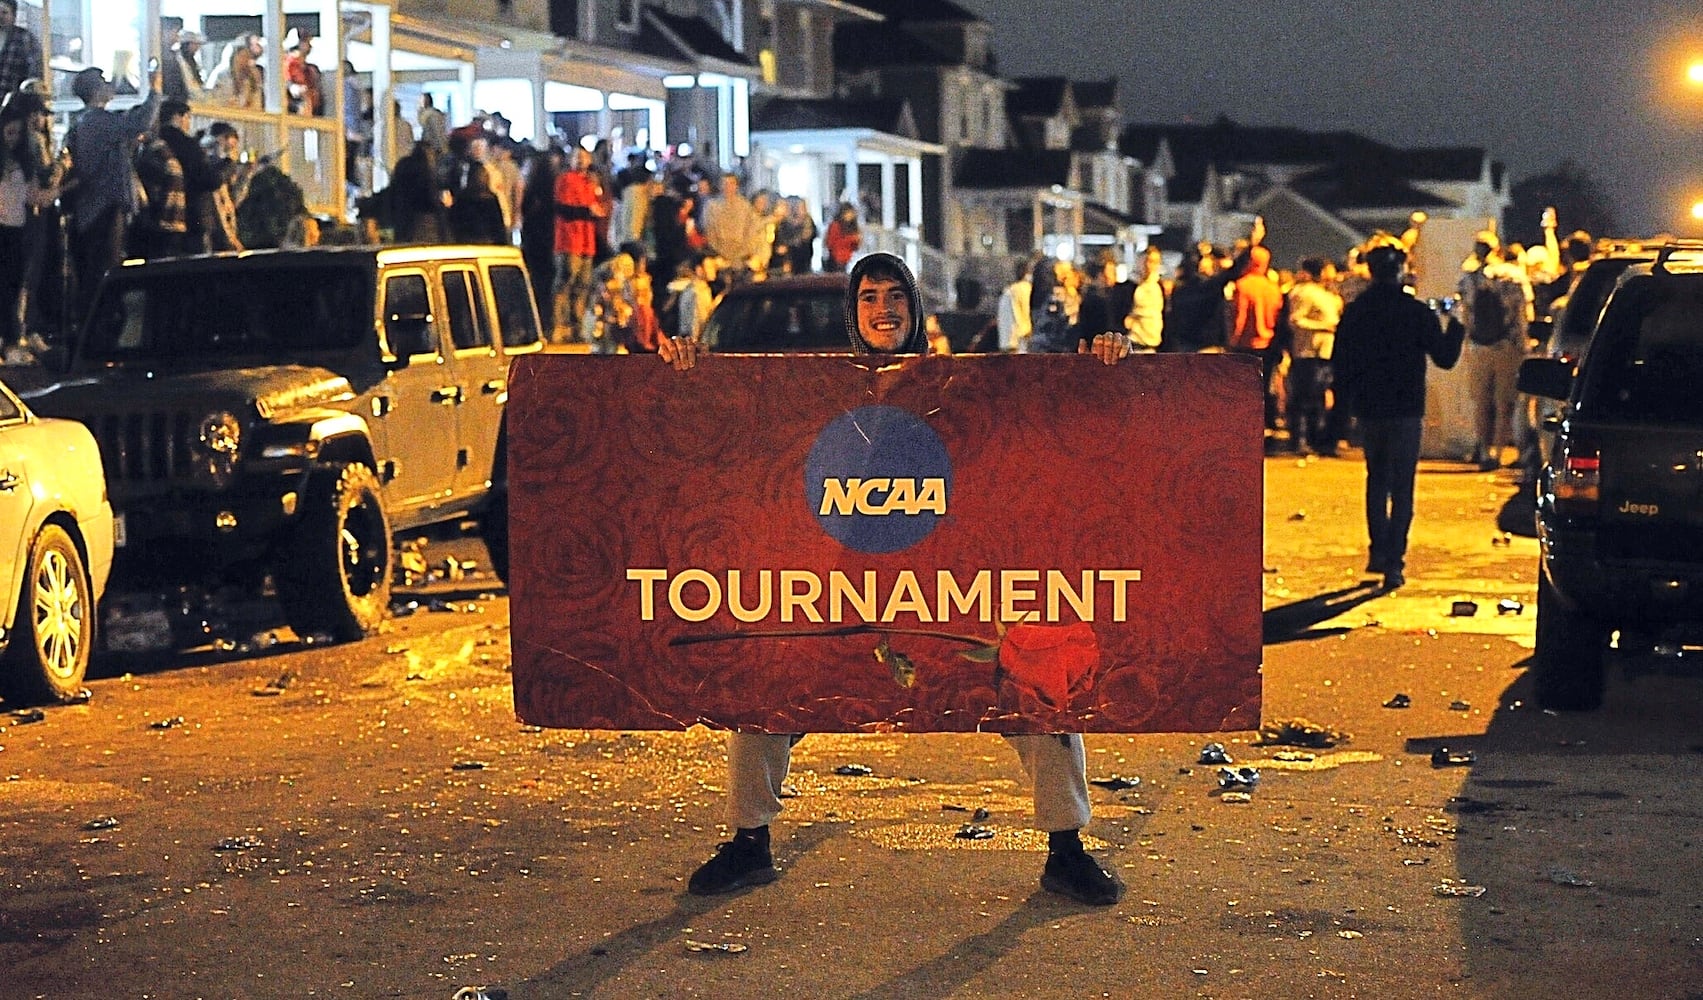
x=220, y=434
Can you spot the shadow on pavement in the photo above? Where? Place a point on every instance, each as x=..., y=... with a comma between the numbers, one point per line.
x=579, y=974
x=972, y=956
x=1519, y=515
x=1581, y=829
x=1292, y=622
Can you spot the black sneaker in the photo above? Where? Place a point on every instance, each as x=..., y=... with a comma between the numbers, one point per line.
x=1079, y=876
x=737, y=864
x=1393, y=580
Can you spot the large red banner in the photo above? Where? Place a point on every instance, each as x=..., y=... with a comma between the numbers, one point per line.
x=842, y=544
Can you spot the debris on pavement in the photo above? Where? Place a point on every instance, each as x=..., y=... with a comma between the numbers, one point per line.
x=1460, y=706
x=101, y=823
x=1444, y=757
x=1561, y=876
x=1450, y=888
x=238, y=844
x=480, y=993
x=1115, y=783
x=1399, y=700
x=1300, y=733
x=854, y=770
x=468, y=765
x=1509, y=606
x=276, y=686
x=1214, y=753
x=724, y=947
x=1231, y=778
x=1463, y=609
x=1503, y=539
x=980, y=815
x=171, y=723
x=973, y=831
x=1299, y=515
x=1294, y=756
x=1235, y=797
x=25, y=716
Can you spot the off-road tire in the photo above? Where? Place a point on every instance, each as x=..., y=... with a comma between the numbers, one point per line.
x=1567, y=668
x=333, y=577
x=53, y=634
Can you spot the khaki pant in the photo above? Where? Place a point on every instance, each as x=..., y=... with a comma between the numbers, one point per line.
x=1057, y=767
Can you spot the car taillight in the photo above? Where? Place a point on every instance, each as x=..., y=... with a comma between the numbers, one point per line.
x=1578, y=484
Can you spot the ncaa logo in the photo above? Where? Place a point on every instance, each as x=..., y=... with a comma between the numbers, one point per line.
x=878, y=479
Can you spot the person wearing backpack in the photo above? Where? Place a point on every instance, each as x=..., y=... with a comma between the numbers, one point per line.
x=1495, y=304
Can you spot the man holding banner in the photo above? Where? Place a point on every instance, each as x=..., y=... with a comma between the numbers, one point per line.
x=883, y=315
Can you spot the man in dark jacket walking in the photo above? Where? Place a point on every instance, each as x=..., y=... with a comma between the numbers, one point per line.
x=1382, y=345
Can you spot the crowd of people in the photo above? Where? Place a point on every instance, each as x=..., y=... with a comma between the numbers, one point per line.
x=619, y=255
x=130, y=183
x=1233, y=299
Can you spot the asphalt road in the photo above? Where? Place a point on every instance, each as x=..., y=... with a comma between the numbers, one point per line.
x=370, y=821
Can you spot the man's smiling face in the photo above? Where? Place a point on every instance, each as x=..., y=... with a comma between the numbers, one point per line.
x=883, y=312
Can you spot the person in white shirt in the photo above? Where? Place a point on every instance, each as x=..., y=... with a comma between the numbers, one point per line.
x=1013, y=312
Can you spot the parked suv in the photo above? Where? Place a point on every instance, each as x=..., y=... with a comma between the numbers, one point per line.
x=1620, y=503
x=277, y=417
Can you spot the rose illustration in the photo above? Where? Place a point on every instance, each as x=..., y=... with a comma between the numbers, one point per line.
x=1051, y=662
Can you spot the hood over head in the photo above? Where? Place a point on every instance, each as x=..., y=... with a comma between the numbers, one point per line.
x=885, y=265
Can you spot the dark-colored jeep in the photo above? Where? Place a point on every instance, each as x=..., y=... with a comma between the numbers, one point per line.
x=1620, y=503
x=280, y=416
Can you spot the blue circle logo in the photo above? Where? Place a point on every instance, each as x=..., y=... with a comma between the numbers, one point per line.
x=878, y=479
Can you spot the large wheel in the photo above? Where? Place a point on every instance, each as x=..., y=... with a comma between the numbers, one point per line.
x=1568, y=667
x=54, y=632
x=334, y=577
x=494, y=529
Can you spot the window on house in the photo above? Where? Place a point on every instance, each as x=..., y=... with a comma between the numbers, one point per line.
x=627, y=14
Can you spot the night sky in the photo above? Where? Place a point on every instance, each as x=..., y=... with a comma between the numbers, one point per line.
x=1603, y=83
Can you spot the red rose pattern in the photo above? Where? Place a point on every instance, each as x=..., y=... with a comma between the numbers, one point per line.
x=1051, y=662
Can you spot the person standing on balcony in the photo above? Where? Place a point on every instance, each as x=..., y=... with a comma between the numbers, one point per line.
x=843, y=239
x=302, y=78
x=20, y=51
x=238, y=80
x=103, y=181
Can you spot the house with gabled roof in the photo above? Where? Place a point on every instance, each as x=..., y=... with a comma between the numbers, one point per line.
x=1320, y=192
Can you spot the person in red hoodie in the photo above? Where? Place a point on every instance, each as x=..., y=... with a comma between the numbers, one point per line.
x=1254, y=305
x=579, y=202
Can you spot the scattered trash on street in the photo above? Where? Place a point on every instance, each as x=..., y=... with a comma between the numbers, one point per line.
x=1115, y=783
x=1509, y=606
x=468, y=765
x=25, y=716
x=1503, y=539
x=1299, y=515
x=238, y=844
x=1460, y=706
x=1451, y=888
x=101, y=823
x=171, y=723
x=723, y=947
x=1214, y=753
x=1463, y=609
x=973, y=831
x=1300, y=733
x=1230, y=778
x=1236, y=797
x=480, y=993
x=1399, y=700
x=854, y=770
x=1444, y=757
x=1561, y=876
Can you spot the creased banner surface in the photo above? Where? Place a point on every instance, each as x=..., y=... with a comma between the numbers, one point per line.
x=841, y=544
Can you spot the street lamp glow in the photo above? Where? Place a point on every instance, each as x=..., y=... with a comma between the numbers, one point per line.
x=1697, y=210
x=1694, y=72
